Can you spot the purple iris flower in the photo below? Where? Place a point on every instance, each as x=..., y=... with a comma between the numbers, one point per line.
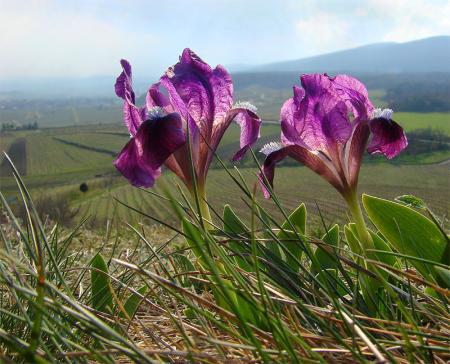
x=327, y=125
x=190, y=97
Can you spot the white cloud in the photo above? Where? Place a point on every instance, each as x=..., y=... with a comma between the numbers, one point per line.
x=42, y=39
x=326, y=27
x=86, y=37
x=406, y=20
x=323, y=32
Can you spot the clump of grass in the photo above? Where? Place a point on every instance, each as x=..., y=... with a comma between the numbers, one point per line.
x=206, y=295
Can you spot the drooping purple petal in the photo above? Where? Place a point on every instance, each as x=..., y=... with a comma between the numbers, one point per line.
x=179, y=164
x=158, y=138
x=129, y=163
x=388, y=138
x=245, y=116
x=317, y=162
x=250, y=124
x=155, y=141
x=133, y=116
x=354, y=151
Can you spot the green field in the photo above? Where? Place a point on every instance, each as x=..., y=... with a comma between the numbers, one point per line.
x=292, y=184
x=56, y=160
x=81, y=148
x=435, y=120
x=64, y=116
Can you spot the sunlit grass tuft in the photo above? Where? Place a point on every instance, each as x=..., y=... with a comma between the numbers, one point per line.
x=202, y=295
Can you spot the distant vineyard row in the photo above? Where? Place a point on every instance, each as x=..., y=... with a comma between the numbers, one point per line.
x=293, y=185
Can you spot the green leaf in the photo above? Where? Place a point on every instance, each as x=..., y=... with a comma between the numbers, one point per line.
x=132, y=303
x=234, y=226
x=327, y=259
x=194, y=239
x=102, y=299
x=407, y=231
x=289, y=238
x=412, y=201
x=351, y=238
x=298, y=219
x=443, y=276
x=379, y=244
x=186, y=266
x=367, y=285
x=330, y=278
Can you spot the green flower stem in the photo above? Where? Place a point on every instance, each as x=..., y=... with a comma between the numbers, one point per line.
x=369, y=285
x=363, y=233
x=204, y=208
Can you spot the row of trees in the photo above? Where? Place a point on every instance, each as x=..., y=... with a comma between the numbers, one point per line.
x=419, y=97
x=13, y=125
x=420, y=92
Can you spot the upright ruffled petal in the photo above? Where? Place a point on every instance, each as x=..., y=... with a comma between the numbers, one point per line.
x=353, y=93
x=291, y=118
x=315, y=84
x=156, y=98
x=323, y=122
x=123, y=84
x=203, y=97
x=207, y=93
x=388, y=138
x=317, y=162
x=155, y=141
x=133, y=116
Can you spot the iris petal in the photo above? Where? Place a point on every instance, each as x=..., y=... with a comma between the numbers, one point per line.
x=155, y=97
x=202, y=97
x=315, y=161
x=317, y=129
x=353, y=93
x=159, y=138
x=354, y=151
x=323, y=122
x=290, y=115
x=249, y=123
x=388, y=138
x=133, y=116
x=123, y=86
x=206, y=92
x=155, y=141
x=130, y=164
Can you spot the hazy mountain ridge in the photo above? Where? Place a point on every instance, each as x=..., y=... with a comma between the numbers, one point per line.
x=378, y=64
x=424, y=55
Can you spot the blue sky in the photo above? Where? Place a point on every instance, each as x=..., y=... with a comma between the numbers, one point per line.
x=84, y=38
